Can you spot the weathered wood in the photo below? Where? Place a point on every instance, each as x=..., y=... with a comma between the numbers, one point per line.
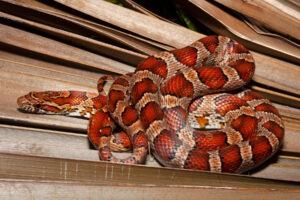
x=49, y=47
x=14, y=166
x=279, y=97
x=269, y=15
x=74, y=24
x=226, y=24
x=28, y=190
x=62, y=144
x=135, y=22
x=111, y=51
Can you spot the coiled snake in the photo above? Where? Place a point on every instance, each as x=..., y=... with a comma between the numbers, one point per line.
x=158, y=103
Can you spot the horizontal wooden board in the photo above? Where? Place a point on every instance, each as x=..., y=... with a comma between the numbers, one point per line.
x=59, y=144
x=28, y=190
x=18, y=166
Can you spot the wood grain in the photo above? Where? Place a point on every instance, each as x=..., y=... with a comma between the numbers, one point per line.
x=28, y=190
x=269, y=15
x=72, y=145
x=226, y=24
x=135, y=22
x=66, y=170
x=49, y=47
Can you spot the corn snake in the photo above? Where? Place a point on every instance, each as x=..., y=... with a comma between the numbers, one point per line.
x=154, y=106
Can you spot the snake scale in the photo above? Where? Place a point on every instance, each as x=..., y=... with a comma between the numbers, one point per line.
x=155, y=105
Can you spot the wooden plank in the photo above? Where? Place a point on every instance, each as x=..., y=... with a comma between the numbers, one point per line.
x=59, y=144
x=52, y=48
x=226, y=24
x=277, y=71
x=48, y=190
x=117, y=53
x=76, y=23
x=15, y=166
x=135, y=22
x=267, y=14
x=278, y=97
x=41, y=142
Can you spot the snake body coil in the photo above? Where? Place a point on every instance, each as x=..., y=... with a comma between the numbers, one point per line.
x=154, y=106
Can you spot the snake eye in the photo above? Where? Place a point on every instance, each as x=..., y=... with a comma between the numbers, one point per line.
x=38, y=106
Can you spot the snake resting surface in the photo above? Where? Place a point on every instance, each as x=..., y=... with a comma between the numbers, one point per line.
x=168, y=92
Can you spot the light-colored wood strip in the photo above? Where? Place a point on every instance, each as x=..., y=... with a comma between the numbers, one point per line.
x=286, y=165
x=45, y=46
x=288, y=111
x=278, y=71
x=259, y=77
x=290, y=157
x=135, y=22
x=228, y=25
x=115, y=52
x=17, y=166
x=289, y=117
x=11, y=71
x=132, y=41
x=62, y=144
x=267, y=13
x=282, y=171
x=281, y=98
x=16, y=63
x=48, y=190
x=31, y=129
x=295, y=123
x=12, y=59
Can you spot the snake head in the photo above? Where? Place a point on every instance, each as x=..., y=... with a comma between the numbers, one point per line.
x=31, y=103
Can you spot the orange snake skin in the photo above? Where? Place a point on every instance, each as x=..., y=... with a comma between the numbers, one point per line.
x=154, y=106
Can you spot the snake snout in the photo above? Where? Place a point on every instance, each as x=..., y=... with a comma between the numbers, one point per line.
x=21, y=101
x=25, y=105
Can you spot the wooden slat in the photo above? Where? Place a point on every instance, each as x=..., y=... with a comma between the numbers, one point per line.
x=74, y=24
x=111, y=51
x=14, y=166
x=49, y=47
x=28, y=190
x=62, y=144
x=135, y=22
x=279, y=97
x=51, y=13
x=270, y=16
x=226, y=24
